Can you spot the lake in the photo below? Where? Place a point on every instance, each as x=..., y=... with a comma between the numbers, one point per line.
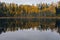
x=30, y=29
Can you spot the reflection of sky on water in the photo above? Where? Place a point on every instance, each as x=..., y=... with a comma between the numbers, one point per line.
x=30, y=35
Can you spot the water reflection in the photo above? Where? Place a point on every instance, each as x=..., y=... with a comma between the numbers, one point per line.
x=40, y=24
x=58, y=25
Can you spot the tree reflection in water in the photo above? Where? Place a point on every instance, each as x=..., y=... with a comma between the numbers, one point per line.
x=39, y=24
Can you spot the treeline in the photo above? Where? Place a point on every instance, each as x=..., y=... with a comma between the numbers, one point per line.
x=15, y=10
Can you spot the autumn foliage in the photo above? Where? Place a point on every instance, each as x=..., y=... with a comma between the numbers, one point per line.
x=15, y=10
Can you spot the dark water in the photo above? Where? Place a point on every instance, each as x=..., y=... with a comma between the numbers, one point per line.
x=30, y=29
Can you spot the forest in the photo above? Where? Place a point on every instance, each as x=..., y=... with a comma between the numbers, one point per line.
x=38, y=10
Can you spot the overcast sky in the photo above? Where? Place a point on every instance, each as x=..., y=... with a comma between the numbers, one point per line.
x=29, y=1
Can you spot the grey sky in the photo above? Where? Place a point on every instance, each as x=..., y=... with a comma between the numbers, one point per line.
x=29, y=1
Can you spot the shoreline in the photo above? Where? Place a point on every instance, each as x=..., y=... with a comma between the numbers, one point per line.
x=27, y=17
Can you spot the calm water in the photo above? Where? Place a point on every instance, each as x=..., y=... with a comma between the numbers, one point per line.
x=30, y=29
